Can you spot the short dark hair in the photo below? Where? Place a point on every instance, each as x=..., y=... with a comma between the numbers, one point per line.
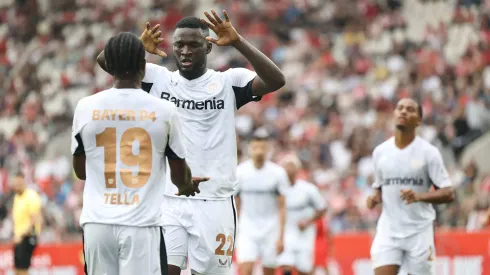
x=192, y=22
x=124, y=54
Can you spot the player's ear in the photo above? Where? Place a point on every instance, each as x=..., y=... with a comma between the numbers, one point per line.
x=209, y=47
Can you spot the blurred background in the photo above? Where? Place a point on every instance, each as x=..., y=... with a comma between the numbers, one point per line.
x=347, y=62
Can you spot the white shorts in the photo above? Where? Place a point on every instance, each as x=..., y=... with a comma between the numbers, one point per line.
x=201, y=232
x=299, y=248
x=118, y=250
x=415, y=254
x=302, y=260
x=250, y=249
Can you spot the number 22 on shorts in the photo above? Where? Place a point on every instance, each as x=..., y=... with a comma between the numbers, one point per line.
x=223, y=240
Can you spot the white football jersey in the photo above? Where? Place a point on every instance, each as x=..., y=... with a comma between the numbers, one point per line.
x=207, y=107
x=258, y=190
x=417, y=166
x=125, y=135
x=303, y=199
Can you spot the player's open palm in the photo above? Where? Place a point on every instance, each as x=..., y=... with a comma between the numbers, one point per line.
x=151, y=38
x=227, y=34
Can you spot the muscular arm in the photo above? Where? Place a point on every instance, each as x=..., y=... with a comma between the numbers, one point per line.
x=79, y=166
x=439, y=196
x=180, y=173
x=269, y=76
x=281, y=201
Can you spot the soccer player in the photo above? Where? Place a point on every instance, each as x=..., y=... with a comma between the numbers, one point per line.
x=120, y=139
x=406, y=168
x=305, y=206
x=26, y=214
x=201, y=229
x=262, y=186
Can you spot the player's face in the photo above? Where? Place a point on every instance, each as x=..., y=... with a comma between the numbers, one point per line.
x=190, y=49
x=290, y=168
x=18, y=184
x=406, y=114
x=258, y=149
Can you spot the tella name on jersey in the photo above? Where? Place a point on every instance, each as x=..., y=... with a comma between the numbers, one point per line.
x=121, y=199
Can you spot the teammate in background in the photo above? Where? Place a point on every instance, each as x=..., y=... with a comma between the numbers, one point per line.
x=120, y=139
x=406, y=167
x=201, y=229
x=262, y=186
x=26, y=215
x=305, y=206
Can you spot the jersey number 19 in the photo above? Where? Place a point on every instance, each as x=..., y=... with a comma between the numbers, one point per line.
x=143, y=159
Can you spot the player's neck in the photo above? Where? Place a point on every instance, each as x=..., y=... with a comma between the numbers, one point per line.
x=193, y=75
x=403, y=139
x=127, y=84
x=258, y=163
x=292, y=180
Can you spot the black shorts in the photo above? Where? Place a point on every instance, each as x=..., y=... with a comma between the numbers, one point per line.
x=23, y=252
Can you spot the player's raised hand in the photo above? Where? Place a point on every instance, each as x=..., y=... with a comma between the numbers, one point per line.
x=192, y=189
x=409, y=196
x=227, y=34
x=151, y=39
x=372, y=201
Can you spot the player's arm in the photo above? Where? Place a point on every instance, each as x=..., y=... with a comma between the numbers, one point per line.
x=376, y=197
x=443, y=193
x=77, y=148
x=282, y=187
x=180, y=173
x=281, y=204
x=269, y=76
x=319, y=204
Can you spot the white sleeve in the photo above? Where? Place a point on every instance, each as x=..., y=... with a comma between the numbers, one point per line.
x=316, y=198
x=241, y=81
x=153, y=73
x=239, y=178
x=77, y=148
x=283, y=182
x=378, y=177
x=175, y=148
x=437, y=171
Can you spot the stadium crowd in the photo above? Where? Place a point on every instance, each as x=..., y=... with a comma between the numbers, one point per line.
x=346, y=64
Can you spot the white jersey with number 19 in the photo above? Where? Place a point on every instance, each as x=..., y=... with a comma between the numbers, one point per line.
x=125, y=135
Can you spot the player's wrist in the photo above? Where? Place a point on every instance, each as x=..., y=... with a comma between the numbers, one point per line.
x=419, y=197
x=238, y=42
